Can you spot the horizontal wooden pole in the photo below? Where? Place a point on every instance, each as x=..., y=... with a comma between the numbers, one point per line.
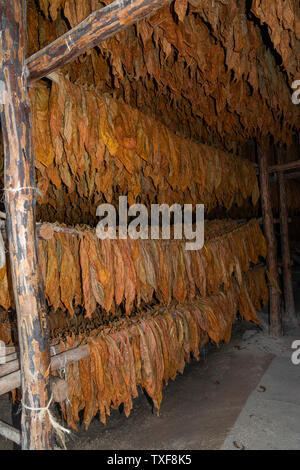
x=10, y=433
x=284, y=166
x=12, y=363
x=7, y=352
x=44, y=231
x=260, y=220
x=13, y=380
x=97, y=27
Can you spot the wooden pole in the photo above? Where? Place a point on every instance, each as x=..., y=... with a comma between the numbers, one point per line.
x=97, y=27
x=10, y=433
x=13, y=380
x=275, y=304
x=13, y=434
x=285, y=250
x=284, y=166
x=12, y=364
x=20, y=212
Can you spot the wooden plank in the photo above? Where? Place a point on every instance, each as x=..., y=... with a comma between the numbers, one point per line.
x=275, y=297
x=20, y=213
x=13, y=380
x=285, y=249
x=97, y=27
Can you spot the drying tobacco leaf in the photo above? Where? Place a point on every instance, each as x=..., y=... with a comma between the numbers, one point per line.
x=52, y=279
x=89, y=299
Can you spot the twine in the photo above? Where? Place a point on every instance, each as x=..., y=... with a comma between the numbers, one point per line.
x=60, y=430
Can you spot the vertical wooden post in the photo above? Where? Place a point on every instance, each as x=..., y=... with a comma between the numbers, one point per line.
x=285, y=248
x=267, y=213
x=20, y=209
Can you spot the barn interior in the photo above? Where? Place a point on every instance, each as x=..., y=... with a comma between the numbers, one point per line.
x=194, y=104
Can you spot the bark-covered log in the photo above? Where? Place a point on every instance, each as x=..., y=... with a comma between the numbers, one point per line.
x=285, y=250
x=97, y=27
x=275, y=303
x=20, y=212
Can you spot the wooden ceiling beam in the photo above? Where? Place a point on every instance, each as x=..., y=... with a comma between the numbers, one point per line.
x=97, y=27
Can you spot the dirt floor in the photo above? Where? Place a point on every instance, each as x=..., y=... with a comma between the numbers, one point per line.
x=243, y=395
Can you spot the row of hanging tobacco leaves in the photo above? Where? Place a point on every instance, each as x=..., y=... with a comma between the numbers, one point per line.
x=148, y=350
x=90, y=149
x=147, y=306
x=203, y=68
x=121, y=275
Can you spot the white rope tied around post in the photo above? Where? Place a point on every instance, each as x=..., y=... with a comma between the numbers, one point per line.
x=58, y=428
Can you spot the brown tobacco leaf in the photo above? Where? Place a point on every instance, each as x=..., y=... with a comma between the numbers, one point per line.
x=179, y=272
x=5, y=295
x=2, y=273
x=56, y=111
x=180, y=8
x=89, y=299
x=41, y=130
x=130, y=276
x=97, y=288
x=67, y=275
x=108, y=259
x=42, y=259
x=188, y=267
x=164, y=276
x=88, y=390
x=53, y=175
x=97, y=259
x=52, y=279
x=119, y=273
x=75, y=243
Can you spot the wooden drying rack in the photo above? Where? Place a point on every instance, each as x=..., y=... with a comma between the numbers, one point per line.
x=16, y=74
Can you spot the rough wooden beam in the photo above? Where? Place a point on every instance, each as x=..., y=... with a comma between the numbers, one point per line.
x=10, y=433
x=12, y=364
x=284, y=166
x=285, y=249
x=13, y=380
x=97, y=27
x=20, y=213
x=275, y=307
x=44, y=231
